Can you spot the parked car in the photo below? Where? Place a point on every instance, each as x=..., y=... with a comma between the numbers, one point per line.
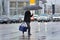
x=56, y=17
x=21, y=17
x=1, y=21
x=4, y=19
x=35, y=17
x=44, y=17
x=14, y=19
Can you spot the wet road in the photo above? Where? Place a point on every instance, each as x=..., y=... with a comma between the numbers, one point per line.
x=39, y=31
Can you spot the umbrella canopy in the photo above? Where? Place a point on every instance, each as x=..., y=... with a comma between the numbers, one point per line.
x=44, y=1
x=32, y=7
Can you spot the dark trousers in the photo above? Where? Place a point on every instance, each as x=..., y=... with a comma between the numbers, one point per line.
x=28, y=26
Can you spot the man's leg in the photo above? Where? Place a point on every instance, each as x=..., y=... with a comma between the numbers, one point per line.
x=28, y=24
x=23, y=32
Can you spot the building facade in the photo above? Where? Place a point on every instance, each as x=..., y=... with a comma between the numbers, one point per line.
x=14, y=7
x=0, y=7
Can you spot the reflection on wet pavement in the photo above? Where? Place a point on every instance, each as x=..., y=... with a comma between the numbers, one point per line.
x=11, y=32
x=39, y=31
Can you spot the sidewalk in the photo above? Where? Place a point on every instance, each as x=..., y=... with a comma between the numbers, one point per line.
x=50, y=32
x=11, y=32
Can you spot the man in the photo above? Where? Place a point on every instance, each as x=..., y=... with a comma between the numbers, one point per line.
x=27, y=19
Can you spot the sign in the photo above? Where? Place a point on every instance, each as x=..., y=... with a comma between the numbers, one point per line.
x=32, y=2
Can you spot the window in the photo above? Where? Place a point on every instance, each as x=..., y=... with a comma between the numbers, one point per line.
x=27, y=3
x=12, y=4
x=20, y=4
x=13, y=12
x=20, y=11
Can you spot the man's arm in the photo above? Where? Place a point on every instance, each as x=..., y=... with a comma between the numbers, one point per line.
x=31, y=15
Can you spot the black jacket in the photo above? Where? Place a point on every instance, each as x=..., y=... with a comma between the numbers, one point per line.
x=27, y=16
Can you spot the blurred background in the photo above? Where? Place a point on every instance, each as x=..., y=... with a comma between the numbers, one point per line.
x=12, y=10
x=46, y=23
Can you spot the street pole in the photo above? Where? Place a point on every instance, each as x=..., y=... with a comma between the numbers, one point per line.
x=3, y=7
x=53, y=8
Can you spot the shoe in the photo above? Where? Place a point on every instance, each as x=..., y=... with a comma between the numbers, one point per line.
x=29, y=34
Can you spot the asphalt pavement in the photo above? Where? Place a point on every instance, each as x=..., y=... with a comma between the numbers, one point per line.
x=39, y=31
